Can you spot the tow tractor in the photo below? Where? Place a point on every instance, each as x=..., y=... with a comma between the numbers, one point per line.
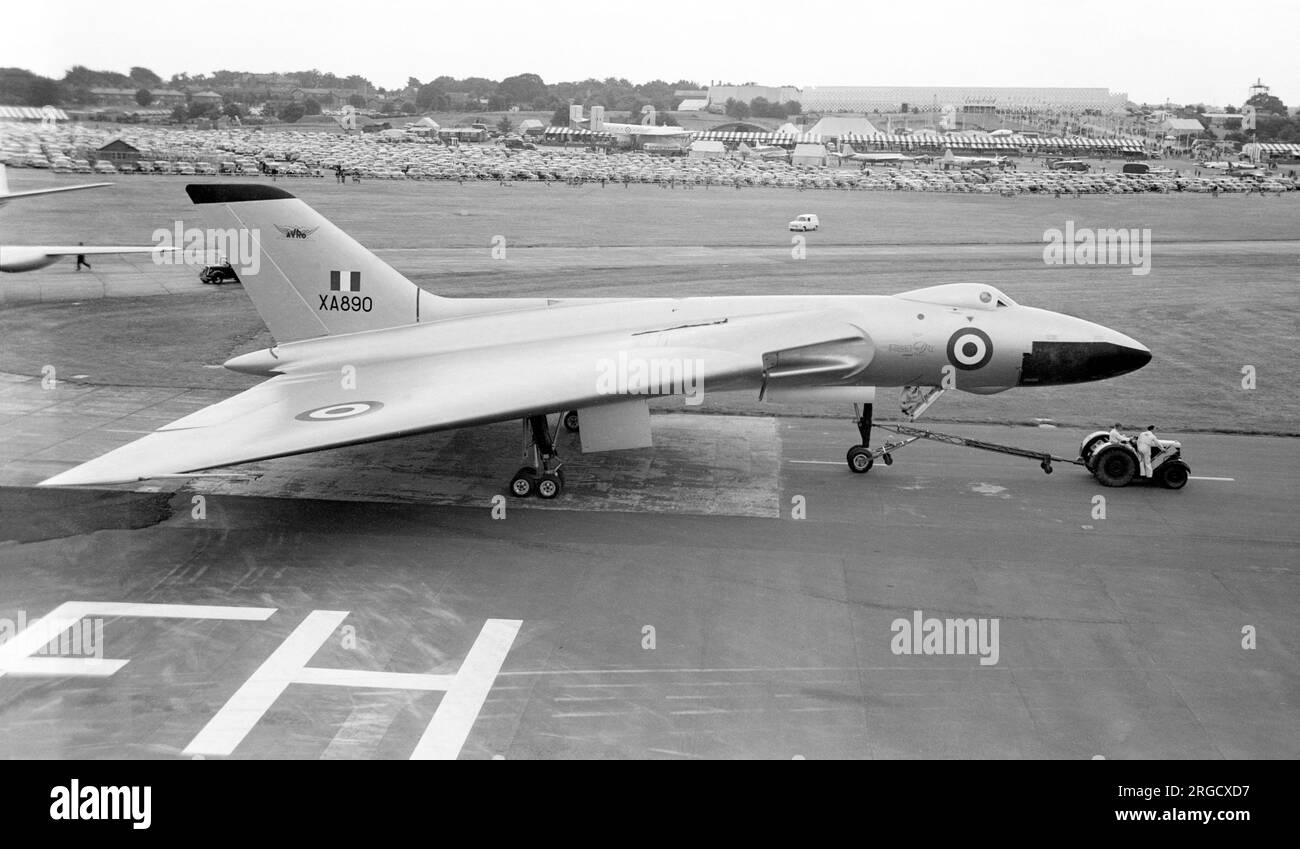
x=1112, y=464
x=1118, y=463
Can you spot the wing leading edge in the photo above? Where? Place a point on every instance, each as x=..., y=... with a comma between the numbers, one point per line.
x=308, y=409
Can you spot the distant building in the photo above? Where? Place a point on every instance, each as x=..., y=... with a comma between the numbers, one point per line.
x=1183, y=129
x=966, y=99
x=328, y=98
x=809, y=154
x=1220, y=120
x=1177, y=134
x=719, y=94
x=125, y=97
x=840, y=126
x=118, y=152
x=706, y=149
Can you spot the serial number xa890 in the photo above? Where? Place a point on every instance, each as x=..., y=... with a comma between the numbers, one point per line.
x=344, y=303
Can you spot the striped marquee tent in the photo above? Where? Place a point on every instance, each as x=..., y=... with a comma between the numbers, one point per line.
x=758, y=138
x=29, y=113
x=959, y=141
x=576, y=134
x=1272, y=149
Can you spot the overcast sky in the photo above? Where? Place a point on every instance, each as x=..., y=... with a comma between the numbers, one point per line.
x=1190, y=51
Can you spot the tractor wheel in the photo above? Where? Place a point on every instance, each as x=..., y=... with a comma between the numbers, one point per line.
x=1173, y=475
x=1115, y=465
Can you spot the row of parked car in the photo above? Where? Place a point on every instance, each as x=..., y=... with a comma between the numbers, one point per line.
x=165, y=166
x=242, y=152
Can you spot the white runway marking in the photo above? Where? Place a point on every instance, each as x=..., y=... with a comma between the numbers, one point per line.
x=1200, y=478
x=458, y=709
x=443, y=738
x=15, y=655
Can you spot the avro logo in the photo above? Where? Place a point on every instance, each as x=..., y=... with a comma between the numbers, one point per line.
x=296, y=232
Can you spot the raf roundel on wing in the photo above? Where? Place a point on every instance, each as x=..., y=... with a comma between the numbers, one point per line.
x=334, y=412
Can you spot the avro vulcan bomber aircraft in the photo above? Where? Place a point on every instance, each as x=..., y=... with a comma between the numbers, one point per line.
x=362, y=354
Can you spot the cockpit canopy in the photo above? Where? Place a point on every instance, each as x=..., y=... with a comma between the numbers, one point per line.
x=970, y=296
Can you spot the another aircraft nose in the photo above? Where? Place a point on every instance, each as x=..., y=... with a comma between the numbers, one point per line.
x=1055, y=363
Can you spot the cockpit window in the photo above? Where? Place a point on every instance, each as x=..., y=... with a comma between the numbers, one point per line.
x=961, y=296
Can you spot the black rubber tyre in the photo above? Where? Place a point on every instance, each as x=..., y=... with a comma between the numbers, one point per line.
x=571, y=421
x=860, y=460
x=549, y=486
x=1115, y=465
x=524, y=483
x=1173, y=475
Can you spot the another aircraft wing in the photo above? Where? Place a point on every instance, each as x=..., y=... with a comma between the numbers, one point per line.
x=309, y=410
x=5, y=197
x=29, y=257
x=72, y=250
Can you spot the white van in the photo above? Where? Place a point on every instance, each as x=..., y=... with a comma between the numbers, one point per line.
x=805, y=222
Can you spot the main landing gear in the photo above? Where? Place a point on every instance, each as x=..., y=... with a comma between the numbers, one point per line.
x=539, y=448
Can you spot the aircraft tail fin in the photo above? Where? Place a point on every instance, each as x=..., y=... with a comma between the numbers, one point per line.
x=306, y=277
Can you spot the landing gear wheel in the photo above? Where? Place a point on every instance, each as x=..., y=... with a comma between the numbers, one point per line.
x=1173, y=475
x=888, y=458
x=524, y=483
x=571, y=421
x=550, y=485
x=1046, y=466
x=859, y=460
x=1115, y=465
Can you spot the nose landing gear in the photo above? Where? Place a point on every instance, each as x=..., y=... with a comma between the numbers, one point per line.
x=860, y=458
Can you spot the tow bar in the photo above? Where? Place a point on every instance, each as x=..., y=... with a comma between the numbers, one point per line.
x=914, y=433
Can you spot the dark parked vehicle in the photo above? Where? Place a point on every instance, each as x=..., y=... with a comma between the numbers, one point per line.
x=222, y=272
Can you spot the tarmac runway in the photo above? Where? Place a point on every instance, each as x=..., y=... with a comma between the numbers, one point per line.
x=733, y=592
x=772, y=609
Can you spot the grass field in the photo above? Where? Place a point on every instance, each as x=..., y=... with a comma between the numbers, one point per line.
x=1221, y=295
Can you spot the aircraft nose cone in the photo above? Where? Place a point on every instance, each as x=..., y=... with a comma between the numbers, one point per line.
x=1115, y=360
x=1056, y=363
